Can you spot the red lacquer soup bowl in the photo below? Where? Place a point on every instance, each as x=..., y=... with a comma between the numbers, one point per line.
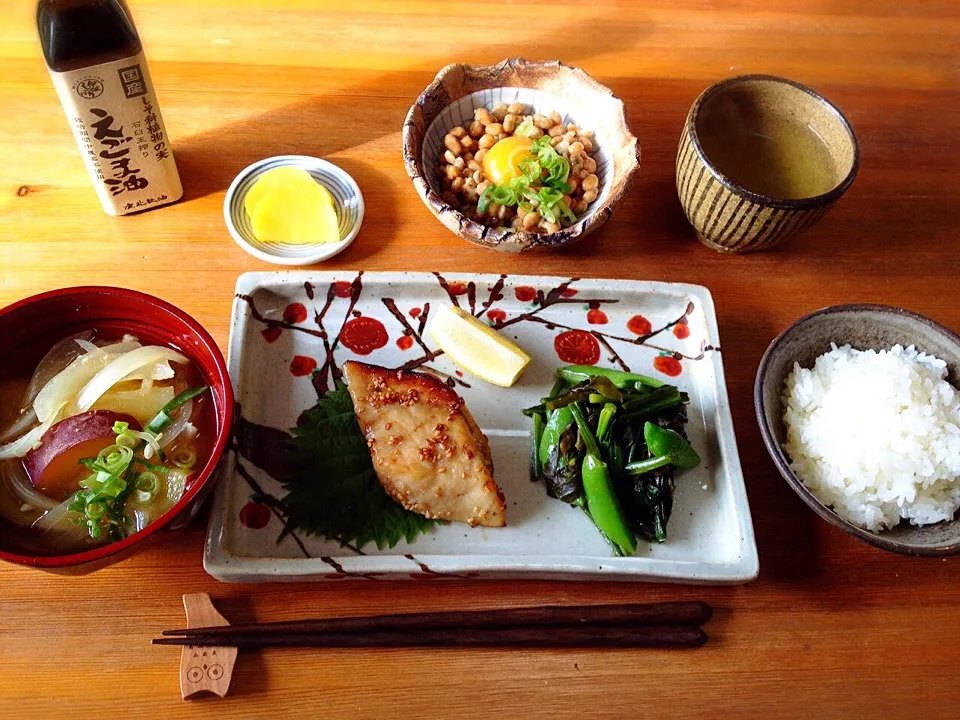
x=30, y=327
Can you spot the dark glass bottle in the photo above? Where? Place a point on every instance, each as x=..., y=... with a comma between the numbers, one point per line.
x=97, y=64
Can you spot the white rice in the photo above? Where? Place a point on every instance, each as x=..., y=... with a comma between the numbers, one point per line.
x=876, y=435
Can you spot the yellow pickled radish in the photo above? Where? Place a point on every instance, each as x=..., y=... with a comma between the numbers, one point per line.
x=292, y=208
x=296, y=218
x=477, y=347
x=278, y=178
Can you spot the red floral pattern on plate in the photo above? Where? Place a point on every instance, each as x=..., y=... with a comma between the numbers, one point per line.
x=639, y=325
x=415, y=312
x=295, y=313
x=363, y=335
x=254, y=515
x=404, y=342
x=597, y=317
x=682, y=329
x=271, y=334
x=342, y=289
x=496, y=315
x=301, y=365
x=458, y=288
x=525, y=293
x=668, y=365
x=577, y=347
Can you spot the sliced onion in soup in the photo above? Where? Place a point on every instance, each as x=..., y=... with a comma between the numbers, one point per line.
x=57, y=358
x=141, y=405
x=157, y=371
x=87, y=346
x=21, y=446
x=15, y=479
x=63, y=534
x=119, y=368
x=67, y=383
x=183, y=419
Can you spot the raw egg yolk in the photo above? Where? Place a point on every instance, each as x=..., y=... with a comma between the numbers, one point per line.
x=502, y=161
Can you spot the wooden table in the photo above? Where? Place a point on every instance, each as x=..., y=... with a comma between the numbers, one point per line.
x=832, y=628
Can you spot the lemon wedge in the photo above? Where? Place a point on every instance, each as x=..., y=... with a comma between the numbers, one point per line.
x=476, y=347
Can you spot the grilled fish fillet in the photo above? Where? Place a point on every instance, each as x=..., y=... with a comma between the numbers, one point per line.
x=428, y=452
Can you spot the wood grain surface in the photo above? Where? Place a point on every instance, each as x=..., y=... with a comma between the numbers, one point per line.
x=832, y=628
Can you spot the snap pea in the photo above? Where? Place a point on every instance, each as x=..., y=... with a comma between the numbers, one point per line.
x=605, y=420
x=557, y=421
x=602, y=503
x=536, y=467
x=667, y=447
x=620, y=378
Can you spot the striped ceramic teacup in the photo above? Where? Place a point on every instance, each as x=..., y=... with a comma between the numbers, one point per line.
x=731, y=216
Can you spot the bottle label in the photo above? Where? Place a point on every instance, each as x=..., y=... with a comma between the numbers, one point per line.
x=115, y=118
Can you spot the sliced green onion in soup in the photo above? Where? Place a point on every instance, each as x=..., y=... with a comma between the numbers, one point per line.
x=114, y=459
x=148, y=482
x=127, y=439
x=184, y=457
x=147, y=486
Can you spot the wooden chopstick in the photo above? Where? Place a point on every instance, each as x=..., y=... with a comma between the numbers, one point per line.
x=670, y=613
x=664, y=636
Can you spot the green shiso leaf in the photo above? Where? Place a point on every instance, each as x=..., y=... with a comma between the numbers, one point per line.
x=332, y=489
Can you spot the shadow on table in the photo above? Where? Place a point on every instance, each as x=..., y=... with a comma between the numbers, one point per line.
x=208, y=161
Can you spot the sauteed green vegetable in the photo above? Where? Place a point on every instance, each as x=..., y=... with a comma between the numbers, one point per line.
x=610, y=442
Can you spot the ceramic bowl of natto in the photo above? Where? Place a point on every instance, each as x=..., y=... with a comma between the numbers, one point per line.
x=458, y=91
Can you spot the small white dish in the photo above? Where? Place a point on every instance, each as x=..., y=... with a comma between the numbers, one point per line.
x=347, y=198
x=287, y=324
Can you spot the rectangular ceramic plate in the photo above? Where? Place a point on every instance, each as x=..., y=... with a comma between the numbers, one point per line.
x=288, y=323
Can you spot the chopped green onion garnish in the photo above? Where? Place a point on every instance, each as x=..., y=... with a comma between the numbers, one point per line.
x=540, y=187
x=120, y=427
x=485, y=198
x=526, y=128
x=114, y=458
x=148, y=482
x=503, y=195
x=566, y=212
x=127, y=439
x=162, y=419
x=185, y=457
x=530, y=169
x=548, y=196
